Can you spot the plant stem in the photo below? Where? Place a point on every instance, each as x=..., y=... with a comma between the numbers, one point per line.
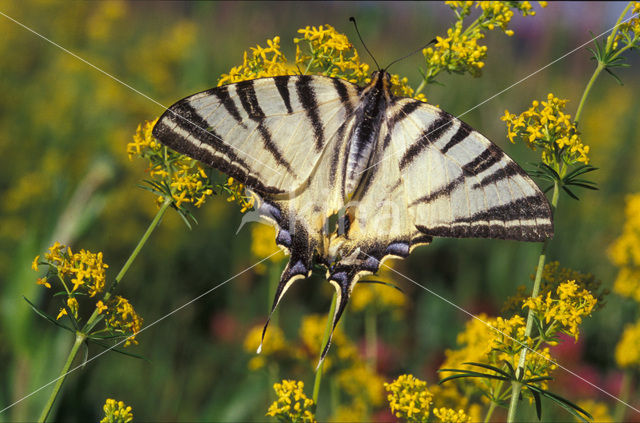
x=587, y=90
x=325, y=339
x=492, y=406
x=515, y=385
x=80, y=338
x=82, y=335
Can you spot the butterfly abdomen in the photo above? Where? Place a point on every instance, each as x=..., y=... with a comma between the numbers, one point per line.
x=369, y=117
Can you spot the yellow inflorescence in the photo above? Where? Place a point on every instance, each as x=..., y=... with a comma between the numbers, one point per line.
x=185, y=178
x=448, y=415
x=122, y=318
x=566, y=308
x=261, y=62
x=116, y=412
x=628, y=349
x=84, y=270
x=545, y=125
x=292, y=404
x=629, y=32
x=325, y=51
x=625, y=252
x=409, y=398
x=460, y=51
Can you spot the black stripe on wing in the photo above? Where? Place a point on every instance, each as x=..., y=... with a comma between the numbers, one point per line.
x=185, y=117
x=430, y=135
x=247, y=95
x=309, y=102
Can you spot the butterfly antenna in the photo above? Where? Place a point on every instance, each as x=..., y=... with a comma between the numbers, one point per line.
x=352, y=19
x=410, y=54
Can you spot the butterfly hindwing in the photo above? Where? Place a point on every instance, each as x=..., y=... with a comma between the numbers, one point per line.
x=268, y=133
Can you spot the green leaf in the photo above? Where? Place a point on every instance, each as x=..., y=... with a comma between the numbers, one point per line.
x=119, y=351
x=564, y=403
x=571, y=194
x=493, y=368
x=47, y=316
x=536, y=397
x=618, y=80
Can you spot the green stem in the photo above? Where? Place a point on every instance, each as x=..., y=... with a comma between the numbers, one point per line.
x=80, y=338
x=325, y=339
x=492, y=406
x=515, y=385
x=587, y=89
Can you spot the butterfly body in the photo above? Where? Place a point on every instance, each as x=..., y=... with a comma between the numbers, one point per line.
x=394, y=172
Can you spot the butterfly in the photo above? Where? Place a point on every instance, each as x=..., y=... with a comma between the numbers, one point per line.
x=350, y=176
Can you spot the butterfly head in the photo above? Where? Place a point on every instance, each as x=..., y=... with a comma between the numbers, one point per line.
x=381, y=80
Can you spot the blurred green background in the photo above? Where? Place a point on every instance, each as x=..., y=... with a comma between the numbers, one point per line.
x=65, y=176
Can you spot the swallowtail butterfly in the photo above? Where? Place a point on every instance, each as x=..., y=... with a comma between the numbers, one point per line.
x=350, y=175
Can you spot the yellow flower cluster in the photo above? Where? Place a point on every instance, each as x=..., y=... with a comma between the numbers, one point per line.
x=292, y=404
x=628, y=349
x=84, y=269
x=409, y=398
x=494, y=341
x=261, y=62
x=552, y=276
x=361, y=383
x=624, y=252
x=460, y=51
x=238, y=194
x=173, y=174
x=456, y=53
x=545, y=125
x=325, y=51
x=121, y=318
x=629, y=32
x=566, y=310
x=448, y=415
x=116, y=412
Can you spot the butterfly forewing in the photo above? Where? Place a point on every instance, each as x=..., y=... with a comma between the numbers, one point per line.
x=268, y=133
x=459, y=184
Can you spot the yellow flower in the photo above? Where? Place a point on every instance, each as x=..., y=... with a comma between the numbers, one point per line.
x=566, y=309
x=448, y=415
x=100, y=306
x=546, y=126
x=409, y=398
x=173, y=175
x=122, y=318
x=116, y=412
x=292, y=404
x=34, y=264
x=627, y=352
x=44, y=282
x=262, y=62
x=238, y=194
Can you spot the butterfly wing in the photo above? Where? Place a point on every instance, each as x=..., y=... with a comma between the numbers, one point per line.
x=267, y=133
x=459, y=184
